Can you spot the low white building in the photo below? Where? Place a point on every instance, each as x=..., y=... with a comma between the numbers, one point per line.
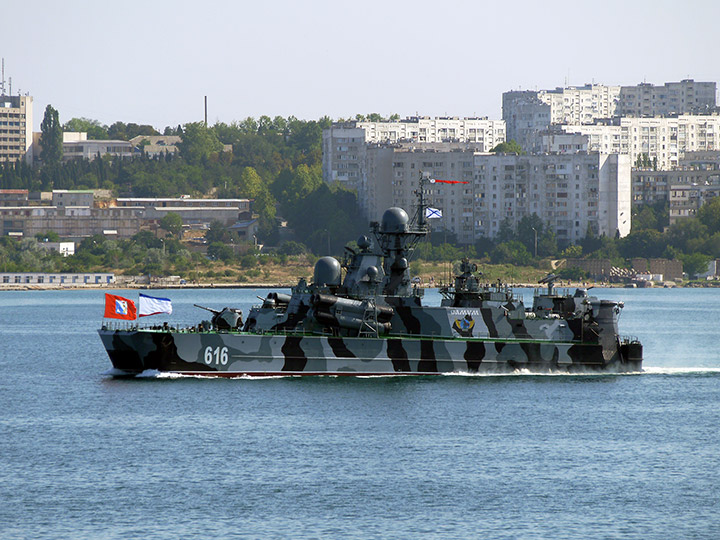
x=77, y=145
x=64, y=248
x=66, y=279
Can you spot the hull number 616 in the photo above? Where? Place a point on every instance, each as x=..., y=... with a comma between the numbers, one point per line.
x=217, y=356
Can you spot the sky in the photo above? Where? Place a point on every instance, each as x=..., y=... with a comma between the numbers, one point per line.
x=153, y=61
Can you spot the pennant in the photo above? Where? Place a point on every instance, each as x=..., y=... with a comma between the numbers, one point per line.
x=117, y=307
x=149, y=305
x=433, y=213
x=435, y=180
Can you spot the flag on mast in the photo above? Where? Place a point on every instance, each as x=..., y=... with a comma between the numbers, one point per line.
x=150, y=305
x=438, y=181
x=433, y=213
x=117, y=307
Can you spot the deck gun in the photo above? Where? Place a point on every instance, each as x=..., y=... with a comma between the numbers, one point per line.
x=225, y=319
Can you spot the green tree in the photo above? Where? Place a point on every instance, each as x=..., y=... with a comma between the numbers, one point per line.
x=218, y=233
x=695, y=263
x=220, y=251
x=709, y=215
x=686, y=232
x=512, y=252
x=48, y=236
x=172, y=223
x=51, y=137
x=199, y=142
x=643, y=243
x=93, y=128
x=527, y=229
x=508, y=147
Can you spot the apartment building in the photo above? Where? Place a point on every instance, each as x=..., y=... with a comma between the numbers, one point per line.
x=686, y=199
x=694, y=169
x=528, y=113
x=345, y=143
x=661, y=140
x=570, y=193
x=686, y=96
x=16, y=121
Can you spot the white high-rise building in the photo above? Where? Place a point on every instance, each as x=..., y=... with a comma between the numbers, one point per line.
x=16, y=122
x=571, y=193
x=528, y=113
x=661, y=140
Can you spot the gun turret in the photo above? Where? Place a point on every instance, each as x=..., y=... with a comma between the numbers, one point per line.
x=225, y=319
x=211, y=310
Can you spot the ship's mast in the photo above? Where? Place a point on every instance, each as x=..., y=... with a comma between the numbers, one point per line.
x=419, y=219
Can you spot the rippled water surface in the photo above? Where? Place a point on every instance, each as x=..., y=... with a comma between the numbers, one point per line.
x=83, y=455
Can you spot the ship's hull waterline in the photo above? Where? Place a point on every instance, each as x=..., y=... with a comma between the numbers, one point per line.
x=236, y=354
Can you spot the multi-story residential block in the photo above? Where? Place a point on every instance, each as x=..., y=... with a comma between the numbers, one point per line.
x=528, y=113
x=16, y=122
x=660, y=140
x=345, y=144
x=686, y=199
x=695, y=168
x=686, y=96
x=571, y=193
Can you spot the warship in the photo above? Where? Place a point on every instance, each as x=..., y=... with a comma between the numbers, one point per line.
x=364, y=316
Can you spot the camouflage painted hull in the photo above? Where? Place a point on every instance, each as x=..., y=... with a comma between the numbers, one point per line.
x=233, y=354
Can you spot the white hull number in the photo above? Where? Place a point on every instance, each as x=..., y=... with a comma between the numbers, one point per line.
x=217, y=356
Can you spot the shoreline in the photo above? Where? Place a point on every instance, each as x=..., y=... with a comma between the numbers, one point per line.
x=245, y=285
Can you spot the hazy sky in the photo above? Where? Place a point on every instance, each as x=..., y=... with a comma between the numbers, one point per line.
x=151, y=62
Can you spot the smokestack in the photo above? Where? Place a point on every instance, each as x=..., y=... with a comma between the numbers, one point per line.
x=205, y=111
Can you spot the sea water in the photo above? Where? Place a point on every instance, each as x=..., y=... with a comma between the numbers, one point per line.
x=87, y=456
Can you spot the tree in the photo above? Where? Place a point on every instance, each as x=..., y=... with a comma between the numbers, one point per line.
x=198, y=142
x=508, y=147
x=51, y=138
x=93, y=128
x=527, y=229
x=47, y=236
x=220, y=251
x=695, y=263
x=685, y=232
x=172, y=223
x=512, y=252
x=709, y=215
x=643, y=243
x=505, y=232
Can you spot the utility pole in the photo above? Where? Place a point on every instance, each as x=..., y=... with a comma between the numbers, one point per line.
x=205, y=111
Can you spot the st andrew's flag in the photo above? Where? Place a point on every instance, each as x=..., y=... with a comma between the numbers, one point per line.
x=433, y=213
x=117, y=307
x=149, y=305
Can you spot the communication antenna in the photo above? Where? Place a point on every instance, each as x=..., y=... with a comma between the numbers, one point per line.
x=2, y=78
x=10, y=85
